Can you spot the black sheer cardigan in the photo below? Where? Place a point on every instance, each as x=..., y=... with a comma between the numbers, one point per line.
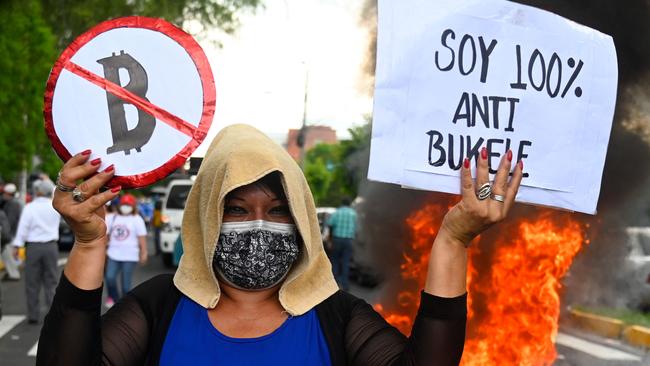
x=133, y=331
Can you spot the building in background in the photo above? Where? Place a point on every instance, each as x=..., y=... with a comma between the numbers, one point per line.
x=313, y=135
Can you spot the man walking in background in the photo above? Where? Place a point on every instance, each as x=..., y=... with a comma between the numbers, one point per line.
x=5, y=236
x=12, y=208
x=38, y=231
x=343, y=229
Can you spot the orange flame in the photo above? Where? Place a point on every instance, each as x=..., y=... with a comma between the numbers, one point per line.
x=513, y=281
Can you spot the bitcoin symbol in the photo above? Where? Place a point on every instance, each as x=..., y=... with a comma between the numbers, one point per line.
x=123, y=138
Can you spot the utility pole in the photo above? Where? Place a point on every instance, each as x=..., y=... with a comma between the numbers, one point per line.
x=22, y=177
x=302, y=135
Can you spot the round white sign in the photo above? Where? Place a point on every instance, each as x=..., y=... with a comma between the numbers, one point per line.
x=138, y=92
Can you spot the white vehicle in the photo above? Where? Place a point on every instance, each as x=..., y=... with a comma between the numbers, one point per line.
x=638, y=262
x=173, y=205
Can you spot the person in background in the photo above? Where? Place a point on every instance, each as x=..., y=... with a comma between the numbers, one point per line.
x=38, y=232
x=156, y=224
x=127, y=245
x=5, y=237
x=343, y=229
x=178, y=250
x=12, y=208
x=111, y=206
x=145, y=209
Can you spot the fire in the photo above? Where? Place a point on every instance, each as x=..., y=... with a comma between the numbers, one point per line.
x=513, y=281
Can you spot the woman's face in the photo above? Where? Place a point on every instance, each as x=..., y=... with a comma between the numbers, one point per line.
x=126, y=209
x=256, y=202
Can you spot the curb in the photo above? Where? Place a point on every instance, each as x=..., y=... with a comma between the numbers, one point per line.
x=601, y=325
x=637, y=336
x=634, y=335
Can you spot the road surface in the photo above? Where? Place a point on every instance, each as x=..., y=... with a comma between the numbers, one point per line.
x=19, y=340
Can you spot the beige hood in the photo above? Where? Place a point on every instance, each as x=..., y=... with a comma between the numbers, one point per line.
x=240, y=155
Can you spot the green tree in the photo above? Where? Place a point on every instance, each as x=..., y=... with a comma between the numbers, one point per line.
x=69, y=19
x=321, y=164
x=34, y=32
x=27, y=51
x=354, y=155
x=332, y=170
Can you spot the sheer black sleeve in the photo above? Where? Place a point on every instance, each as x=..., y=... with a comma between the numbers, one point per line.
x=437, y=337
x=74, y=333
x=132, y=332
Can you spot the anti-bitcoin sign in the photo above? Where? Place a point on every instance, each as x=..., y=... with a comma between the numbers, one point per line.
x=137, y=91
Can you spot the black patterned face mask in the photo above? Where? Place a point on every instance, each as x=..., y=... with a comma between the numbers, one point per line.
x=255, y=255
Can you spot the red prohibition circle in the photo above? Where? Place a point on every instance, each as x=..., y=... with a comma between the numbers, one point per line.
x=195, y=52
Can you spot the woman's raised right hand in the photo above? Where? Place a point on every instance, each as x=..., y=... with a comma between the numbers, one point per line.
x=86, y=219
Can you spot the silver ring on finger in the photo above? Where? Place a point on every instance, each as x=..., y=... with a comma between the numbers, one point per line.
x=484, y=191
x=498, y=197
x=78, y=195
x=62, y=187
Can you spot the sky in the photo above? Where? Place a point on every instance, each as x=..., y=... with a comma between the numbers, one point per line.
x=260, y=71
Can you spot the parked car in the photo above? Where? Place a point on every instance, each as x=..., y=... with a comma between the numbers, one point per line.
x=173, y=205
x=638, y=260
x=66, y=237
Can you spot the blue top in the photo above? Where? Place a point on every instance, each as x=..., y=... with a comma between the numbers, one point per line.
x=193, y=340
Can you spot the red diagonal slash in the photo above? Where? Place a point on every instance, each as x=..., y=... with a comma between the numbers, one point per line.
x=174, y=121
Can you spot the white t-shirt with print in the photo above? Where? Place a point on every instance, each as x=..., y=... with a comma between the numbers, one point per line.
x=123, y=231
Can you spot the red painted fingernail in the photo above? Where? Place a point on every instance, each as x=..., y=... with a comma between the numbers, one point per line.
x=109, y=169
x=96, y=161
x=521, y=165
x=509, y=155
x=116, y=189
x=484, y=153
x=466, y=163
x=86, y=152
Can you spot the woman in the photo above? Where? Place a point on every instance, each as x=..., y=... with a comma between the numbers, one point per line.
x=254, y=285
x=127, y=245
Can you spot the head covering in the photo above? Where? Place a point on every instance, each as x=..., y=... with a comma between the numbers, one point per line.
x=128, y=199
x=240, y=155
x=43, y=187
x=9, y=188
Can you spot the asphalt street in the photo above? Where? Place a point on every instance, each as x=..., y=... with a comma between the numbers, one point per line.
x=19, y=340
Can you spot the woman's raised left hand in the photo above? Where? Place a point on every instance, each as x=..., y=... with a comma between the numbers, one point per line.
x=472, y=215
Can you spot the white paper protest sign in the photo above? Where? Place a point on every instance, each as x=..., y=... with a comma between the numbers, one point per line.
x=456, y=76
x=138, y=92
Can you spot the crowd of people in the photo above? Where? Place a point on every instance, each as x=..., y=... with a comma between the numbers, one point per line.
x=29, y=235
